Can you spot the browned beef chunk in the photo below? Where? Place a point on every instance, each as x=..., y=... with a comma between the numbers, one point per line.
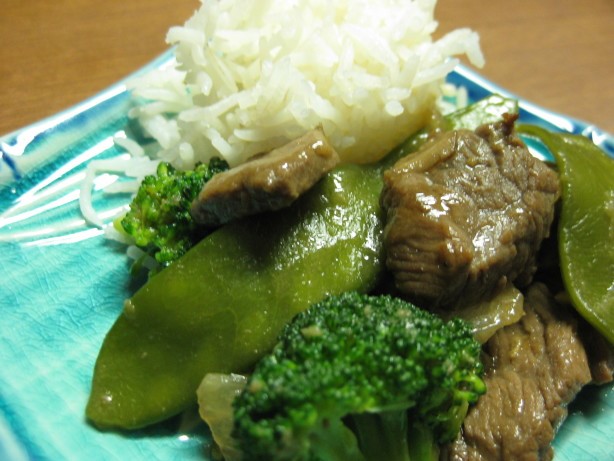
x=466, y=214
x=267, y=182
x=533, y=369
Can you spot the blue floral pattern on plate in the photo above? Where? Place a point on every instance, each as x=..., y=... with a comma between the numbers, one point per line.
x=62, y=284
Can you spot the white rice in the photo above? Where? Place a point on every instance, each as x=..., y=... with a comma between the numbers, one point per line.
x=106, y=174
x=250, y=75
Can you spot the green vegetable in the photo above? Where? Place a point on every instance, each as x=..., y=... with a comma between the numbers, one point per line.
x=159, y=218
x=220, y=307
x=586, y=225
x=401, y=378
x=487, y=110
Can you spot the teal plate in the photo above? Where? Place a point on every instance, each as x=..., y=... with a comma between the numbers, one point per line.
x=62, y=285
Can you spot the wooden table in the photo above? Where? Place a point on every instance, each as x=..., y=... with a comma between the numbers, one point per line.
x=53, y=54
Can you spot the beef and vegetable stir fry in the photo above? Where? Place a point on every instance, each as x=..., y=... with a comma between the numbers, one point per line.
x=453, y=221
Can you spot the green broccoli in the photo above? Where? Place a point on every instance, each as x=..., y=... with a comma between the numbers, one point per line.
x=359, y=377
x=159, y=218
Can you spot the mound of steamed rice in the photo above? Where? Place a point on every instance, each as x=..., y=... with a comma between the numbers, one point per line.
x=251, y=75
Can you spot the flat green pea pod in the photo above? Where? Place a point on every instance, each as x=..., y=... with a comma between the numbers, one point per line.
x=221, y=306
x=586, y=225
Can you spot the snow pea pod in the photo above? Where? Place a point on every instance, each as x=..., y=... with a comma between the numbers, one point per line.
x=586, y=225
x=222, y=305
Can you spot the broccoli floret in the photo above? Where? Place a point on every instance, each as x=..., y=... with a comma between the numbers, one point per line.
x=359, y=377
x=159, y=218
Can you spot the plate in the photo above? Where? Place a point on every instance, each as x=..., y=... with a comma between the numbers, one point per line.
x=62, y=285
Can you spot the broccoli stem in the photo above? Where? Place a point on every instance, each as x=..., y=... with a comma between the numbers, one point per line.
x=336, y=442
x=383, y=435
x=394, y=436
x=422, y=444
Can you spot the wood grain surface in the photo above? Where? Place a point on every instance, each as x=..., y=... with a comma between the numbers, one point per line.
x=53, y=54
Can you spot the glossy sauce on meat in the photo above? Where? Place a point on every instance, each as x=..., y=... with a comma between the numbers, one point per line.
x=267, y=182
x=466, y=215
x=534, y=368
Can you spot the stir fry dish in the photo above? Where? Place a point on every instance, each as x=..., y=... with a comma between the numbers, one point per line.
x=224, y=307
x=342, y=268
